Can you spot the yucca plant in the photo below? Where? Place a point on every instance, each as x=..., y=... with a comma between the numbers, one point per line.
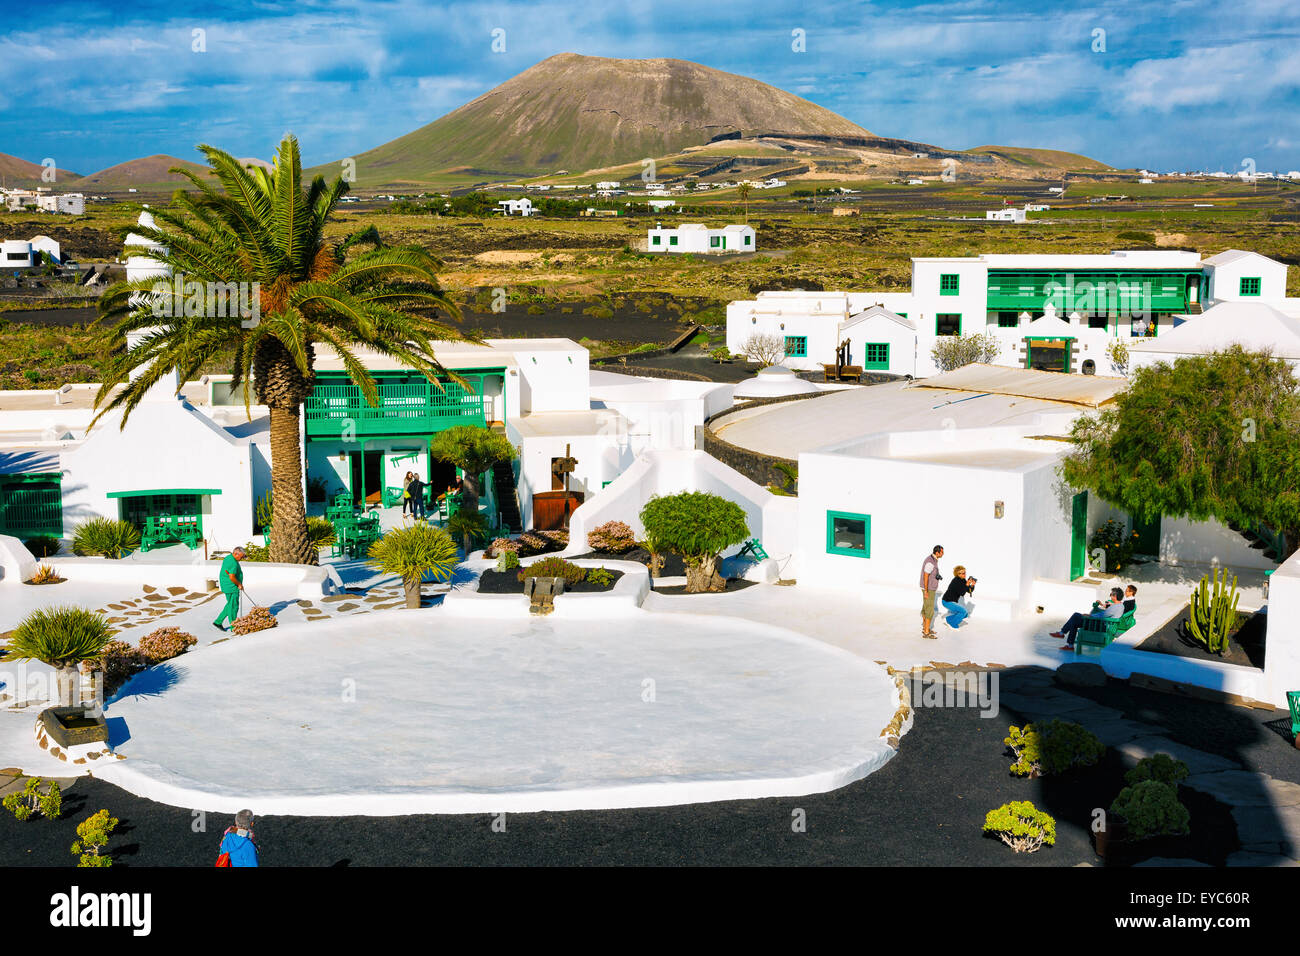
x=62, y=637
x=106, y=537
x=320, y=531
x=467, y=525
x=412, y=553
x=266, y=228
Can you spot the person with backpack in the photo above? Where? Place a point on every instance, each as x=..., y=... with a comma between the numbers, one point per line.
x=237, y=846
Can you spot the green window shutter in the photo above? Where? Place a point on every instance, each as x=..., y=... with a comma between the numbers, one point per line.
x=796, y=346
x=848, y=534
x=949, y=283
x=1249, y=285
x=654, y=240
x=672, y=240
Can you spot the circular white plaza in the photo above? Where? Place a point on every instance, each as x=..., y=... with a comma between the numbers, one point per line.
x=431, y=712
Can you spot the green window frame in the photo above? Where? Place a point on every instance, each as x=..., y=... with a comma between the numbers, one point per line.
x=749, y=240
x=672, y=240
x=1008, y=320
x=655, y=240
x=1249, y=285
x=947, y=318
x=949, y=283
x=844, y=538
x=876, y=355
x=796, y=346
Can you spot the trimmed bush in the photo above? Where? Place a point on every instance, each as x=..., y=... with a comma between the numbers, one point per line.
x=105, y=537
x=1160, y=767
x=554, y=568
x=31, y=799
x=1021, y=826
x=165, y=643
x=42, y=546
x=1150, y=809
x=698, y=526
x=1051, y=748
x=258, y=619
x=600, y=577
x=615, y=537
x=500, y=546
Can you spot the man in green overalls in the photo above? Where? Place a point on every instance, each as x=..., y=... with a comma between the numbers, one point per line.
x=232, y=582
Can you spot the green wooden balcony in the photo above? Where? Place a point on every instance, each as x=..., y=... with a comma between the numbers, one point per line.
x=411, y=406
x=1092, y=292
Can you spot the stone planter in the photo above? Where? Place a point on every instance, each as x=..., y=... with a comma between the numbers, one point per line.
x=72, y=735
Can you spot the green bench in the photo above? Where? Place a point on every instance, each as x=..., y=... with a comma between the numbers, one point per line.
x=1293, y=702
x=1100, y=631
x=753, y=547
x=158, y=529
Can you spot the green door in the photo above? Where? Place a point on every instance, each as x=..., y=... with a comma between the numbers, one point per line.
x=1079, y=535
x=1148, y=536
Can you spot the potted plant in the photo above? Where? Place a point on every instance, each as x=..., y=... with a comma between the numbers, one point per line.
x=62, y=637
x=412, y=553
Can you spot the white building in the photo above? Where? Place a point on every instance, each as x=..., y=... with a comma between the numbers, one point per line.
x=659, y=204
x=1006, y=214
x=699, y=238
x=1052, y=312
x=16, y=200
x=26, y=253
x=516, y=207
x=1255, y=326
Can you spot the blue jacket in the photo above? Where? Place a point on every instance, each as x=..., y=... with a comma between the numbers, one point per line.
x=242, y=850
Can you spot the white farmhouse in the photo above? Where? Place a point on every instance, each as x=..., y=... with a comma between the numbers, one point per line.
x=516, y=207
x=26, y=253
x=699, y=238
x=1007, y=214
x=1044, y=311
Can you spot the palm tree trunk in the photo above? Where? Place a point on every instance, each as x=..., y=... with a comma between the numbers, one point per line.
x=411, y=586
x=290, y=543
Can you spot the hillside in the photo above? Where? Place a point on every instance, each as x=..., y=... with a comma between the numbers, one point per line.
x=575, y=113
x=1042, y=158
x=147, y=173
x=20, y=172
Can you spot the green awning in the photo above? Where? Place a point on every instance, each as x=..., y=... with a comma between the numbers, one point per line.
x=164, y=491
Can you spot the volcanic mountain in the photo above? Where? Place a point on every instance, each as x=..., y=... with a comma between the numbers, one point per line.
x=16, y=172
x=578, y=113
x=149, y=172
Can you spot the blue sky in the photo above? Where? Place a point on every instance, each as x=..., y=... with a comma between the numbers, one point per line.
x=1169, y=85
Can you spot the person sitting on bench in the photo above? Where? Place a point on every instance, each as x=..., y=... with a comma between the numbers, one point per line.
x=1130, y=599
x=1114, y=608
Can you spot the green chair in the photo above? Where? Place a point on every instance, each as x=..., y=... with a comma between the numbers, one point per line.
x=753, y=547
x=1293, y=702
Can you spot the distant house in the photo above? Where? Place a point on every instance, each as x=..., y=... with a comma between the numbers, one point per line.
x=696, y=237
x=1009, y=214
x=26, y=253
x=915, y=182
x=661, y=203
x=844, y=211
x=16, y=200
x=516, y=207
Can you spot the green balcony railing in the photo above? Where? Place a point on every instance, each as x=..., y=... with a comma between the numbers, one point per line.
x=1097, y=293
x=412, y=406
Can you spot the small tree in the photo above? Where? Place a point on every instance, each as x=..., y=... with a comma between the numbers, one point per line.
x=473, y=450
x=413, y=552
x=1117, y=352
x=763, y=348
x=92, y=840
x=31, y=799
x=698, y=526
x=62, y=637
x=1211, y=436
x=954, y=351
x=742, y=193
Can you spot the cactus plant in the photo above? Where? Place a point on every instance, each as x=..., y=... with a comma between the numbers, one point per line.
x=1213, y=612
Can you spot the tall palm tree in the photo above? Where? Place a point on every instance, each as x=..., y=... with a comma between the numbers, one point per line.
x=742, y=193
x=266, y=226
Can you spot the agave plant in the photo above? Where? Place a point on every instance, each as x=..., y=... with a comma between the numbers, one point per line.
x=467, y=525
x=105, y=537
x=266, y=229
x=62, y=637
x=414, y=552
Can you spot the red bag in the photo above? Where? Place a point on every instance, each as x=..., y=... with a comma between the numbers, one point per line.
x=223, y=860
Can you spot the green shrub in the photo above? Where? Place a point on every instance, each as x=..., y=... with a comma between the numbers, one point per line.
x=320, y=531
x=1212, y=614
x=720, y=354
x=1151, y=808
x=59, y=636
x=31, y=799
x=105, y=536
x=1051, y=748
x=92, y=839
x=600, y=577
x=507, y=561
x=413, y=553
x=42, y=546
x=554, y=567
x=1021, y=826
x=598, y=312
x=1110, y=546
x=256, y=552
x=613, y=536
x=1160, y=767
